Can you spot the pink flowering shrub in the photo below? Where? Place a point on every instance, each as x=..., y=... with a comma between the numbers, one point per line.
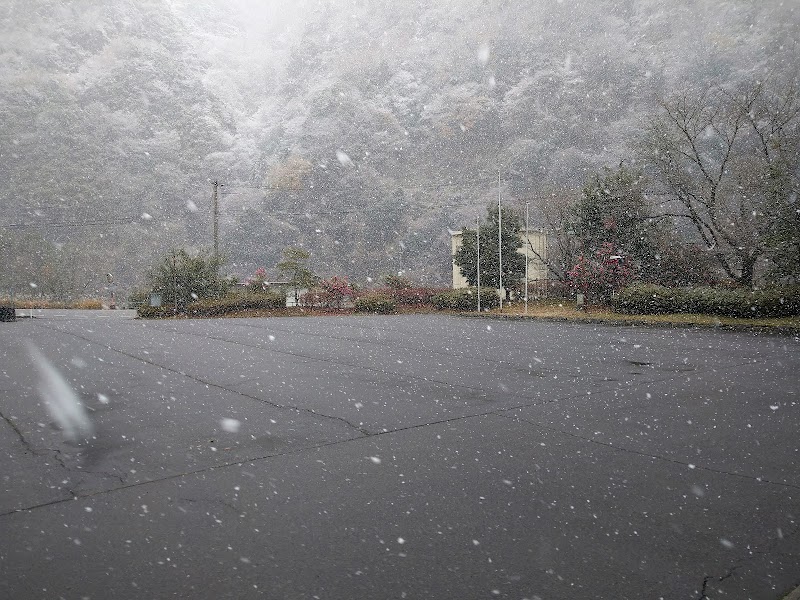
x=311, y=299
x=333, y=291
x=601, y=276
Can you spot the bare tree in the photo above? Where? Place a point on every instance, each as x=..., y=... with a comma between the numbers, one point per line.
x=728, y=160
x=555, y=214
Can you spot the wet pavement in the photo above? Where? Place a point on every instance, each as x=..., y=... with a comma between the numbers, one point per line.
x=399, y=457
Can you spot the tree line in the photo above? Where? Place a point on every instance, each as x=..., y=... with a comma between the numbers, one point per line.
x=709, y=198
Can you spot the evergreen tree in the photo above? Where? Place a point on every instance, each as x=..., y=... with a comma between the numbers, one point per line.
x=294, y=267
x=612, y=210
x=181, y=278
x=513, y=261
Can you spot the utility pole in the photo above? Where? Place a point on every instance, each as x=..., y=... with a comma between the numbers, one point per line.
x=478, y=246
x=527, y=243
x=500, y=240
x=111, y=285
x=175, y=282
x=215, y=206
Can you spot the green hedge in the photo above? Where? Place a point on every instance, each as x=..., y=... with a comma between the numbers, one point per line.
x=138, y=298
x=145, y=311
x=212, y=307
x=413, y=296
x=375, y=304
x=466, y=299
x=655, y=299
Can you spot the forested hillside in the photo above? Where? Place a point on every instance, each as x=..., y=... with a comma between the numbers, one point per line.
x=360, y=130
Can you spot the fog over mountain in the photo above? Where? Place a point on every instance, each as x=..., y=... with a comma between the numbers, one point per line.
x=360, y=130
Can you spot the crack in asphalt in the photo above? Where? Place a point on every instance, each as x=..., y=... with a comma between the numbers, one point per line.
x=19, y=433
x=673, y=374
x=633, y=384
x=331, y=361
x=374, y=342
x=364, y=434
x=496, y=412
x=56, y=453
x=450, y=354
x=212, y=502
x=767, y=550
x=708, y=578
x=630, y=383
x=59, y=458
x=648, y=455
x=296, y=409
x=247, y=461
x=180, y=475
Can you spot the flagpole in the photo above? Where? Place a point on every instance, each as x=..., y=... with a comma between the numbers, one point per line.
x=500, y=239
x=527, y=243
x=478, y=245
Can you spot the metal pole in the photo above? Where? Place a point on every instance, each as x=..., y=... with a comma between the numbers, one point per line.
x=215, y=203
x=478, y=245
x=110, y=279
x=175, y=284
x=527, y=243
x=500, y=240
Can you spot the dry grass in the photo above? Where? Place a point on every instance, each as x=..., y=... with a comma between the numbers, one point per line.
x=29, y=303
x=34, y=303
x=88, y=304
x=567, y=310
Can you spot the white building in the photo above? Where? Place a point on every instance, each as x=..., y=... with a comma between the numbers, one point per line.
x=533, y=247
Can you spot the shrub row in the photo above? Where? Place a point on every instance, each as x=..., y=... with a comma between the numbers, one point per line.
x=212, y=307
x=466, y=299
x=375, y=303
x=654, y=299
x=320, y=298
x=145, y=311
x=413, y=296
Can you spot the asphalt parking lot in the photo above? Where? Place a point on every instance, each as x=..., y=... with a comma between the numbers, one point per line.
x=416, y=456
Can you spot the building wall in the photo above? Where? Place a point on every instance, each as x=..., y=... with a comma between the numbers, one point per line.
x=533, y=240
x=459, y=281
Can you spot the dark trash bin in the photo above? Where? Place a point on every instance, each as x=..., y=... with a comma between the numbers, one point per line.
x=7, y=314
